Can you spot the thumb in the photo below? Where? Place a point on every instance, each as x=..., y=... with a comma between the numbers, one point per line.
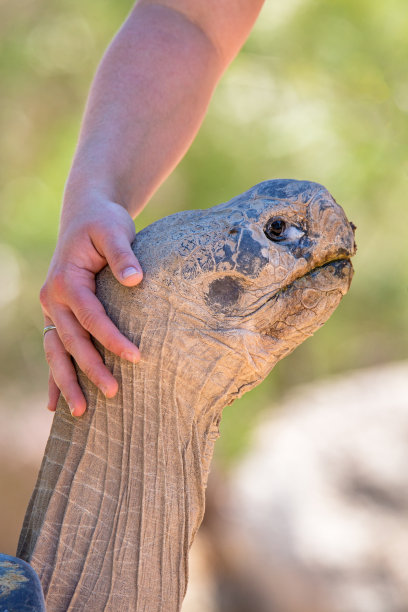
x=122, y=261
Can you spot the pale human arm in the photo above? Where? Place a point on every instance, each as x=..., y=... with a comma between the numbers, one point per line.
x=147, y=101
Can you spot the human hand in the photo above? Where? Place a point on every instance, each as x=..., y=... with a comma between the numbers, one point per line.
x=90, y=237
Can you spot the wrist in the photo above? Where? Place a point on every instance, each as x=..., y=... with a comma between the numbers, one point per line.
x=84, y=185
x=87, y=209
x=88, y=196
x=94, y=178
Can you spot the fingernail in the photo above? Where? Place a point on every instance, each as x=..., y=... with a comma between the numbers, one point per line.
x=130, y=272
x=109, y=391
x=71, y=409
x=132, y=357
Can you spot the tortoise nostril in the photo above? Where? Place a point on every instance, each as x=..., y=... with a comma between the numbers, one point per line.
x=353, y=227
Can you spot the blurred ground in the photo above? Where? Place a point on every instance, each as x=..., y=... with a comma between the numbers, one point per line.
x=322, y=497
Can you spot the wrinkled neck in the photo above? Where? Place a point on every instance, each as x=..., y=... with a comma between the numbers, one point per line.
x=121, y=491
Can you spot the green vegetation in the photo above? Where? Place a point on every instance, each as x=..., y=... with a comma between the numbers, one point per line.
x=319, y=92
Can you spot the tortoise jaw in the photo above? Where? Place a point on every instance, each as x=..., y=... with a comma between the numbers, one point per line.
x=330, y=275
x=296, y=311
x=341, y=274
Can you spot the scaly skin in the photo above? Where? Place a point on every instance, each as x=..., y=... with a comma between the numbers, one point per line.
x=120, y=494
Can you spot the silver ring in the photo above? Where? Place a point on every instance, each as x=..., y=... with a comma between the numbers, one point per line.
x=48, y=328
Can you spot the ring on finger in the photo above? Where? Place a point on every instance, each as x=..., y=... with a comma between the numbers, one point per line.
x=48, y=328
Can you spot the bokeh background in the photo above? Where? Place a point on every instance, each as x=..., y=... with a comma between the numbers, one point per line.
x=319, y=92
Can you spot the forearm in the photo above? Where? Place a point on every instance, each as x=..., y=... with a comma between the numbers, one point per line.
x=146, y=104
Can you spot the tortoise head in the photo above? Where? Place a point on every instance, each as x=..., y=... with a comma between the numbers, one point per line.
x=258, y=274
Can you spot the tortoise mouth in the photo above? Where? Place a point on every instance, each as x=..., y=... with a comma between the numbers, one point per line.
x=296, y=311
x=333, y=274
x=330, y=277
x=338, y=266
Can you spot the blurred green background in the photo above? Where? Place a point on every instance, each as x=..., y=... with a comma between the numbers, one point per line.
x=319, y=92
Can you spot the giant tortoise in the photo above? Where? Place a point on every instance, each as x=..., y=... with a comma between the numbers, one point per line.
x=227, y=292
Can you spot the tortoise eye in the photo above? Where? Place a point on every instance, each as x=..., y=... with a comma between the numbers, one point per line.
x=275, y=229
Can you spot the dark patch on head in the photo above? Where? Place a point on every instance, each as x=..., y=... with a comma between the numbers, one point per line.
x=249, y=259
x=227, y=257
x=224, y=293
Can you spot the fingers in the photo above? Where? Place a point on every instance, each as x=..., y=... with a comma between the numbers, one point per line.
x=91, y=315
x=72, y=338
x=75, y=341
x=122, y=261
x=63, y=375
x=53, y=393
